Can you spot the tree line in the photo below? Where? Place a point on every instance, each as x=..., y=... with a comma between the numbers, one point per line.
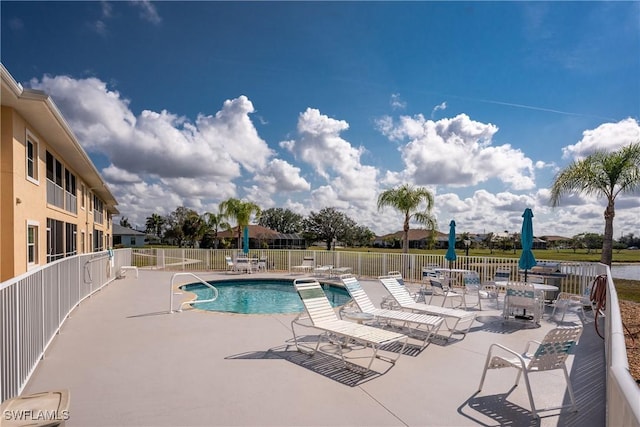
x=603, y=174
x=185, y=227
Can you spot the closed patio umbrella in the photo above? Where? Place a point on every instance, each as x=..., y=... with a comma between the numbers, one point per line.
x=527, y=260
x=245, y=240
x=451, y=251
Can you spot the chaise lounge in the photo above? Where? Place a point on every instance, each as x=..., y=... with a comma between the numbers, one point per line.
x=404, y=301
x=323, y=317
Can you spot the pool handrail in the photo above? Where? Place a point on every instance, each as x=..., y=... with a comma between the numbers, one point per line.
x=215, y=292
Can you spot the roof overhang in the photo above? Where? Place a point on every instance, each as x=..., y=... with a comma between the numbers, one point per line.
x=39, y=110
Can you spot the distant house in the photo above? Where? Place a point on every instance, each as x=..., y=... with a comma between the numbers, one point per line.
x=558, y=242
x=419, y=238
x=127, y=237
x=265, y=238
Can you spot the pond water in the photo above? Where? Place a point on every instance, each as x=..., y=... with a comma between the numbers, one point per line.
x=626, y=271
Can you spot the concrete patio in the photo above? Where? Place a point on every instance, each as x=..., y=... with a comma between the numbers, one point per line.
x=128, y=362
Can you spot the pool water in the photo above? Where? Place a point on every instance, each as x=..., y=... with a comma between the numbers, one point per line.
x=258, y=296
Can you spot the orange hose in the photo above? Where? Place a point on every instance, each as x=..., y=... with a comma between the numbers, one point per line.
x=598, y=298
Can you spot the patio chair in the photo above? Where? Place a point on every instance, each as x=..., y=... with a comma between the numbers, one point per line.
x=323, y=317
x=230, y=265
x=306, y=267
x=550, y=354
x=404, y=301
x=502, y=275
x=473, y=288
x=565, y=301
x=243, y=264
x=440, y=290
x=430, y=323
x=324, y=270
x=523, y=296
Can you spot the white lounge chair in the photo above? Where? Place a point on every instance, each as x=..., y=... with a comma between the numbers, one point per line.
x=430, y=323
x=404, y=301
x=306, y=267
x=324, y=270
x=323, y=317
x=549, y=354
x=388, y=302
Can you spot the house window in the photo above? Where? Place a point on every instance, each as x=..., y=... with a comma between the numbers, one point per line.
x=98, y=215
x=82, y=240
x=32, y=158
x=55, y=192
x=98, y=236
x=55, y=239
x=70, y=238
x=70, y=199
x=133, y=241
x=32, y=243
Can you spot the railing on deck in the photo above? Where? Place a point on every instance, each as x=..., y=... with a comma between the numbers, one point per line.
x=574, y=278
x=34, y=306
x=623, y=394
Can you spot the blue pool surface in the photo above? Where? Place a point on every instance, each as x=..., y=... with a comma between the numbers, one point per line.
x=258, y=296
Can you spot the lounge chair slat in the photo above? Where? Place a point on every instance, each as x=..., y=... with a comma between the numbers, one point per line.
x=431, y=323
x=401, y=295
x=324, y=317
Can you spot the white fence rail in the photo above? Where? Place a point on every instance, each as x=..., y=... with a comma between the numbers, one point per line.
x=34, y=306
x=623, y=394
x=574, y=277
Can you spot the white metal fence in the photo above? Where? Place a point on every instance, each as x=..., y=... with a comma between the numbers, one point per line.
x=34, y=306
x=575, y=277
x=623, y=394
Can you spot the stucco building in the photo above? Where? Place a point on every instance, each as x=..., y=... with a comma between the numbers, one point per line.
x=53, y=201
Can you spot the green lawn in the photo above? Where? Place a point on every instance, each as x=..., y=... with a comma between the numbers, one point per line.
x=624, y=256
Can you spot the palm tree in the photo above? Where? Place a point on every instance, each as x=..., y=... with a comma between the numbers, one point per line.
x=407, y=200
x=601, y=174
x=215, y=222
x=154, y=224
x=241, y=212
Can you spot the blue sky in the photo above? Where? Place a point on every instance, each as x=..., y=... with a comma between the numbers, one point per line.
x=306, y=105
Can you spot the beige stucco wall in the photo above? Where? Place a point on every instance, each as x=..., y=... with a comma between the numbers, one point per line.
x=6, y=194
x=24, y=201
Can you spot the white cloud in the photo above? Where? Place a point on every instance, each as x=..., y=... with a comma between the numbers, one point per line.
x=148, y=11
x=457, y=152
x=116, y=175
x=442, y=106
x=191, y=162
x=158, y=161
x=606, y=137
x=333, y=158
x=280, y=175
x=396, y=102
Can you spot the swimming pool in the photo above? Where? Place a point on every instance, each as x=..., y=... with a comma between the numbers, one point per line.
x=258, y=296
